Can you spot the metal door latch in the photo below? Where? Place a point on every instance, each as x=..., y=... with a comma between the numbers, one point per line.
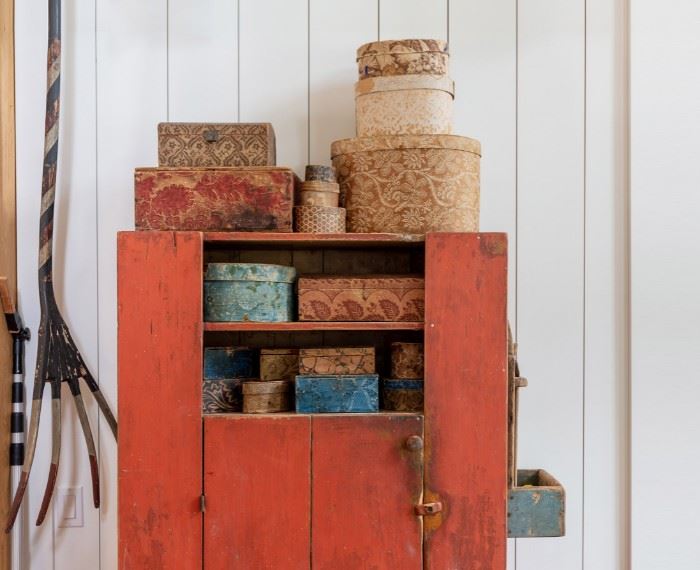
x=427, y=509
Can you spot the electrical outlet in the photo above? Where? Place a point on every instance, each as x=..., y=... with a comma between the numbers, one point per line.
x=68, y=507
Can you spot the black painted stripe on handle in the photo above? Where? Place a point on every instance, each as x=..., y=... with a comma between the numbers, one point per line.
x=16, y=454
x=17, y=422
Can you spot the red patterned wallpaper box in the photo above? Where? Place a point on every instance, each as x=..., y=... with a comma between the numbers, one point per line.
x=361, y=298
x=215, y=199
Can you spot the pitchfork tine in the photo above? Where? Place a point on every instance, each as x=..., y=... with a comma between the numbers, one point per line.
x=101, y=402
x=56, y=448
x=89, y=441
x=32, y=436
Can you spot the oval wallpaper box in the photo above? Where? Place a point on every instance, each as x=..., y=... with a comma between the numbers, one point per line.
x=230, y=362
x=410, y=184
x=357, y=360
x=404, y=105
x=267, y=397
x=407, y=360
x=216, y=144
x=259, y=292
x=319, y=219
x=402, y=395
x=279, y=363
x=337, y=394
x=319, y=172
x=215, y=199
x=361, y=298
x=402, y=57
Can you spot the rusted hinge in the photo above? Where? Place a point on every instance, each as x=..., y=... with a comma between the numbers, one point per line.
x=202, y=503
x=427, y=509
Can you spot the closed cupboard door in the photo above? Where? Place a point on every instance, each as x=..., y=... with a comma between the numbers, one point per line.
x=257, y=488
x=324, y=492
x=367, y=478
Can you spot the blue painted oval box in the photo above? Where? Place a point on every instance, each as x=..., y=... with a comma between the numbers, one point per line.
x=259, y=292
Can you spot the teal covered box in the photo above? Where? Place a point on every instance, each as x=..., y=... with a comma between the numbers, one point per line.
x=337, y=394
x=258, y=292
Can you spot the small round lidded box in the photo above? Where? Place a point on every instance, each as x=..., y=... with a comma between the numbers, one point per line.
x=235, y=292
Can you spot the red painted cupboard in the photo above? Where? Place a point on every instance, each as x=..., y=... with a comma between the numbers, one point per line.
x=322, y=491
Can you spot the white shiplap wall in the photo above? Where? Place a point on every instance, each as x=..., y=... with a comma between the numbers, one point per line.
x=538, y=83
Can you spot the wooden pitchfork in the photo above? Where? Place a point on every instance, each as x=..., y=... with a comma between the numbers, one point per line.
x=58, y=359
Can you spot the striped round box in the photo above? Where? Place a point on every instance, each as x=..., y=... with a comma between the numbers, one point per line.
x=319, y=172
x=319, y=193
x=319, y=220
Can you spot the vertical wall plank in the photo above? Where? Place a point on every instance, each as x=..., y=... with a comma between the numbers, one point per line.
x=75, y=248
x=274, y=73
x=203, y=60
x=131, y=100
x=550, y=258
x=30, y=85
x=399, y=19
x=337, y=29
x=8, y=237
x=606, y=483
x=665, y=277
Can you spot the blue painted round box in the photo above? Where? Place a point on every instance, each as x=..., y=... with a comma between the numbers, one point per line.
x=260, y=292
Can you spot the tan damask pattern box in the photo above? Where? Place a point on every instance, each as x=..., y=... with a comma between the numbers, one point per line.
x=409, y=183
x=216, y=144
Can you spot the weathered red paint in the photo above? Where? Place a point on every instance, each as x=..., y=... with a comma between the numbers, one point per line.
x=365, y=485
x=257, y=484
x=466, y=401
x=160, y=367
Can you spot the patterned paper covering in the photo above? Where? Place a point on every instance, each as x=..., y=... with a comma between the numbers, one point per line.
x=319, y=219
x=409, y=183
x=278, y=363
x=337, y=360
x=216, y=144
x=401, y=46
x=221, y=395
x=404, y=105
x=214, y=199
x=370, y=298
x=407, y=360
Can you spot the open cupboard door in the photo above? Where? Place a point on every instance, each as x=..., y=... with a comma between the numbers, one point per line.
x=466, y=412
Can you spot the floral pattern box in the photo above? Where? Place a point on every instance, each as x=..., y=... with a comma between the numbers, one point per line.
x=215, y=199
x=361, y=298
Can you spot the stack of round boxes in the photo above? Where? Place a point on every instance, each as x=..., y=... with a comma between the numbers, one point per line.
x=403, y=392
x=318, y=210
x=405, y=172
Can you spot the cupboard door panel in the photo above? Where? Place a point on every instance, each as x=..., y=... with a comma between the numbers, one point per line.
x=364, y=487
x=257, y=485
x=466, y=400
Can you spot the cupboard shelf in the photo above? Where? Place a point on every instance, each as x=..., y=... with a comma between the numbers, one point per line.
x=312, y=326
